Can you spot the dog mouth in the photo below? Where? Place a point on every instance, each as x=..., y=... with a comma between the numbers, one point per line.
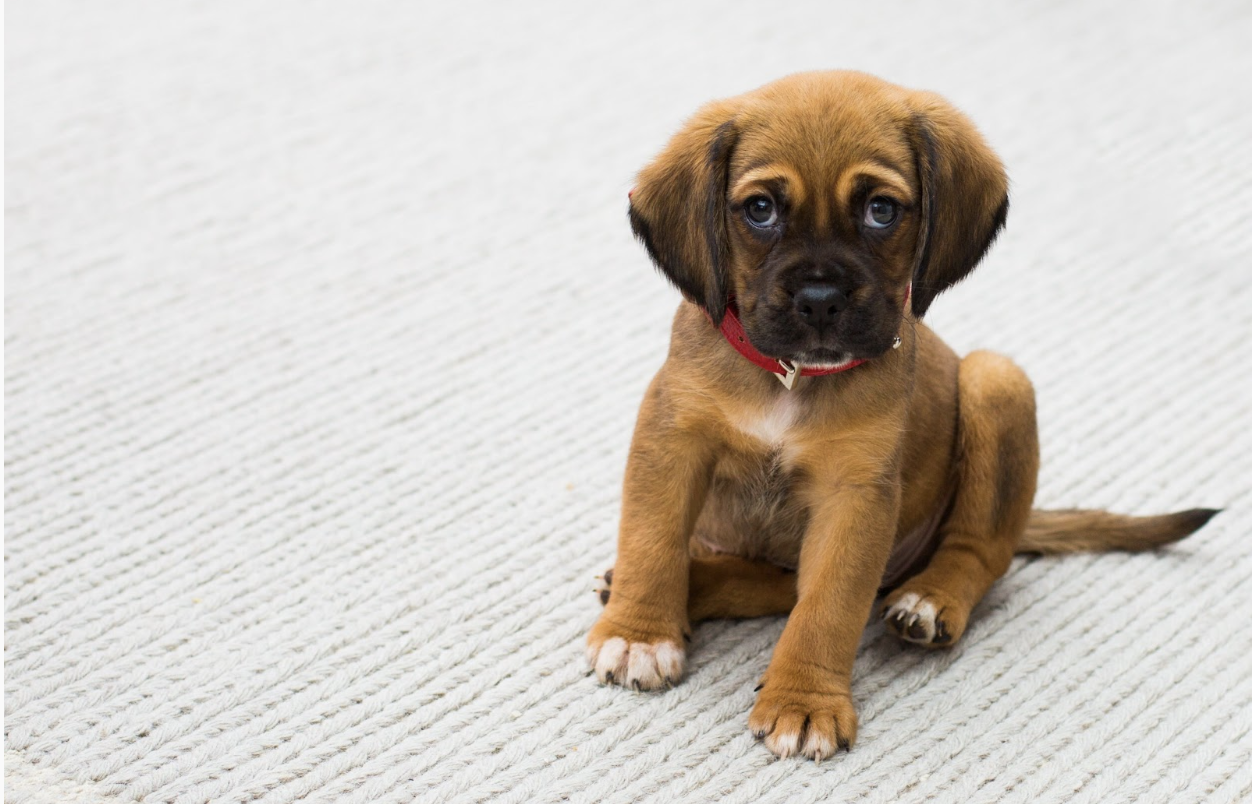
x=806, y=350
x=857, y=340
x=860, y=334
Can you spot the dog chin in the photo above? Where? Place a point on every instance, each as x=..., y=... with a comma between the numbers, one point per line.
x=821, y=358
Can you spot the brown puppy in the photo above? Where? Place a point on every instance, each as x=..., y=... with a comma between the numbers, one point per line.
x=825, y=212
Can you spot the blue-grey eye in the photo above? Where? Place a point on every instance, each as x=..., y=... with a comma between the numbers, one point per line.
x=760, y=211
x=881, y=212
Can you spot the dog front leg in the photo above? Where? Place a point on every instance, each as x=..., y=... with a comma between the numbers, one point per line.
x=805, y=701
x=638, y=641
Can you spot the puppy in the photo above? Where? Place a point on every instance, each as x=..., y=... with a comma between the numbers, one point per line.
x=809, y=443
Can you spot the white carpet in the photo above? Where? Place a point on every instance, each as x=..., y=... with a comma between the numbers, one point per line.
x=324, y=338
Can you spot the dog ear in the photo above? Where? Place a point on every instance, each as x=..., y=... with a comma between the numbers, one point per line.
x=964, y=197
x=678, y=208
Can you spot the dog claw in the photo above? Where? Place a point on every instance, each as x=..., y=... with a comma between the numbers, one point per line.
x=608, y=676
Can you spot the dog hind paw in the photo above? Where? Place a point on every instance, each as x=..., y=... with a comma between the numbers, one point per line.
x=920, y=619
x=605, y=586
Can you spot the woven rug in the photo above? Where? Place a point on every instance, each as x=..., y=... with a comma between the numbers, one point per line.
x=324, y=336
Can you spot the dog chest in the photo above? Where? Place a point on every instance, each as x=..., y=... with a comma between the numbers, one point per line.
x=771, y=423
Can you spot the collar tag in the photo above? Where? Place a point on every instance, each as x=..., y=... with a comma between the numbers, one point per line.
x=790, y=372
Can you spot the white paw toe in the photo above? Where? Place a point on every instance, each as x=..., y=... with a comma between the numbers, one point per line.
x=610, y=660
x=817, y=746
x=785, y=744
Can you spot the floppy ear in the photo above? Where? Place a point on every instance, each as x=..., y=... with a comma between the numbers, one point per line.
x=678, y=208
x=964, y=197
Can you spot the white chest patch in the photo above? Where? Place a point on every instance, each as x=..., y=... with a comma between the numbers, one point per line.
x=770, y=423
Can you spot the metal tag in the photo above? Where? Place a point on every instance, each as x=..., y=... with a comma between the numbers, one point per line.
x=788, y=379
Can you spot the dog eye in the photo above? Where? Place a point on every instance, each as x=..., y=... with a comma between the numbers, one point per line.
x=880, y=212
x=760, y=211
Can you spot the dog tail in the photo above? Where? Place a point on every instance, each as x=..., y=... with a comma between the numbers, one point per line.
x=1075, y=531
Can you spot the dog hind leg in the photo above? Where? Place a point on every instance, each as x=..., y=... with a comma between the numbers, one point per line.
x=997, y=470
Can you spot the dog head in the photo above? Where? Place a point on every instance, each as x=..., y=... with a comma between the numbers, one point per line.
x=813, y=202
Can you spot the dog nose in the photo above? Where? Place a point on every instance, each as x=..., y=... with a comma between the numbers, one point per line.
x=820, y=304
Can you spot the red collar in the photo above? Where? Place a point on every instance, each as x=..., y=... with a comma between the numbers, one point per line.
x=732, y=331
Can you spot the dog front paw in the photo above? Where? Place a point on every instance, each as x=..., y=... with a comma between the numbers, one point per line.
x=795, y=721
x=638, y=659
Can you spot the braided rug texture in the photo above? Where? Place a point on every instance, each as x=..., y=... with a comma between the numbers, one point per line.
x=324, y=337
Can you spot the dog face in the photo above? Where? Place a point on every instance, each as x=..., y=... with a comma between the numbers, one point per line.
x=813, y=203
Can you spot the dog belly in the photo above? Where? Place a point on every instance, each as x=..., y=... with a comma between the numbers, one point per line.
x=751, y=511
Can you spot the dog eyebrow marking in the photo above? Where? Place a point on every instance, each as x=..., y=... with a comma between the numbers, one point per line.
x=767, y=175
x=873, y=174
